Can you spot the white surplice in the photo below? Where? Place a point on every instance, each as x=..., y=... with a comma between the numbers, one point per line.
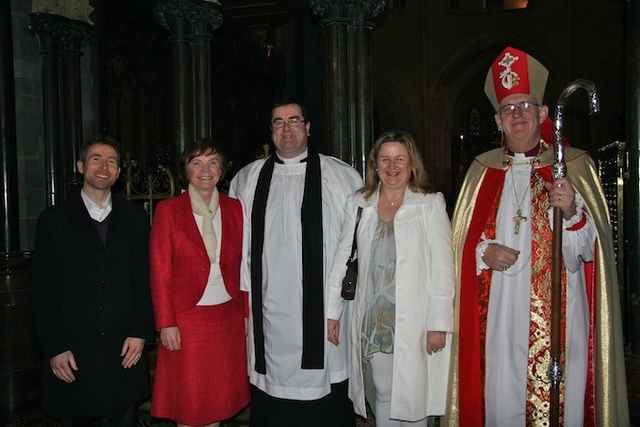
x=282, y=274
x=507, y=343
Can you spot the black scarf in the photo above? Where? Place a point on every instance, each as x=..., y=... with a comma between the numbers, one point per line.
x=312, y=264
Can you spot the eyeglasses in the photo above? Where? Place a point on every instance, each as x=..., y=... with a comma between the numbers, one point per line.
x=293, y=122
x=522, y=106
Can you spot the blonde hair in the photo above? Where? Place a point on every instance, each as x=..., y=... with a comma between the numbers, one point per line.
x=418, y=181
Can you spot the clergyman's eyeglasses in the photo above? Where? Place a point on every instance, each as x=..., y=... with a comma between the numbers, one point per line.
x=522, y=106
x=293, y=122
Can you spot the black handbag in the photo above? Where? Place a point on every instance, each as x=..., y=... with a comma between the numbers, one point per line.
x=351, y=277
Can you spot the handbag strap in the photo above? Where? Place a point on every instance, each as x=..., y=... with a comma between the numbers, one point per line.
x=354, y=244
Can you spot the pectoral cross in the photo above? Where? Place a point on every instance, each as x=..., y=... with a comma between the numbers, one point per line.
x=518, y=218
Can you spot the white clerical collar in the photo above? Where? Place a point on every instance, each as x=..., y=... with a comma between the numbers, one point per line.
x=294, y=160
x=520, y=159
x=96, y=211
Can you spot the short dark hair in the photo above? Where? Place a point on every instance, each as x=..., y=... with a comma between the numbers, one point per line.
x=290, y=101
x=99, y=138
x=201, y=147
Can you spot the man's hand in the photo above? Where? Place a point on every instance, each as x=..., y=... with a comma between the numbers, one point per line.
x=500, y=257
x=63, y=366
x=562, y=195
x=132, y=351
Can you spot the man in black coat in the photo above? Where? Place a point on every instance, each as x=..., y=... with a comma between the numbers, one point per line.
x=92, y=303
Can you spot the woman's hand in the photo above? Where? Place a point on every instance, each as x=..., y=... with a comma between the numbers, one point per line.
x=170, y=338
x=333, y=331
x=435, y=341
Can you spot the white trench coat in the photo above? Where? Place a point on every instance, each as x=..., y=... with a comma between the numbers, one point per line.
x=424, y=300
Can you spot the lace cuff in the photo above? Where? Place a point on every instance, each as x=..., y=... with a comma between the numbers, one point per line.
x=480, y=250
x=576, y=220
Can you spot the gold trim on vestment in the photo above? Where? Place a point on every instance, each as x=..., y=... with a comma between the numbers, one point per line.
x=609, y=379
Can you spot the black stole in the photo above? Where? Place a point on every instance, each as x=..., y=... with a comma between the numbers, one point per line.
x=312, y=264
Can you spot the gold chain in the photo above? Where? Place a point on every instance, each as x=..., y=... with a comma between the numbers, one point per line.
x=518, y=217
x=389, y=201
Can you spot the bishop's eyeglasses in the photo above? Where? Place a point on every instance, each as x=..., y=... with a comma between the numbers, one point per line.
x=293, y=122
x=523, y=106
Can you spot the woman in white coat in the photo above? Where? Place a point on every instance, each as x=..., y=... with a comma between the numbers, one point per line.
x=403, y=307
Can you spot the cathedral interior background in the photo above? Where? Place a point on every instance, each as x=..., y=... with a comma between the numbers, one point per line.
x=159, y=74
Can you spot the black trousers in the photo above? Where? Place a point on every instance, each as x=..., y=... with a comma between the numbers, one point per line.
x=126, y=417
x=333, y=410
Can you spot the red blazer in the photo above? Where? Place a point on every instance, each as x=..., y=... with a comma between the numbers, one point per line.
x=179, y=262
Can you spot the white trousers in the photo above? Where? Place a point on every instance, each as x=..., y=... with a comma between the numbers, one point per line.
x=382, y=374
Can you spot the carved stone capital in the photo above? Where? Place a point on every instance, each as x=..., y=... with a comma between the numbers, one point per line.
x=76, y=34
x=60, y=29
x=46, y=25
x=345, y=8
x=175, y=16
x=186, y=17
x=208, y=18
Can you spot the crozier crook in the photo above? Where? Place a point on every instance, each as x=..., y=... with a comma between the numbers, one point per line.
x=559, y=171
x=559, y=167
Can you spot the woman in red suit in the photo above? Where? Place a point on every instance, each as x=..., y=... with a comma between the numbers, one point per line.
x=195, y=249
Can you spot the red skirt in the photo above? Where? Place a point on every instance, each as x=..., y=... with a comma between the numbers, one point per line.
x=206, y=381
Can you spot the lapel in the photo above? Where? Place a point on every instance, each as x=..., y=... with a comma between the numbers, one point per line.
x=186, y=219
x=116, y=223
x=225, y=225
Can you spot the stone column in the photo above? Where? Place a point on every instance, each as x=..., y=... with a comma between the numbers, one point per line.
x=8, y=150
x=363, y=80
x=48, y=28
x=19, y=351
x=178, y=16
x=337, y=102
x=63, y=24
x=208, y=20
x=99, y=102
x=348, y=85
x=75, y=35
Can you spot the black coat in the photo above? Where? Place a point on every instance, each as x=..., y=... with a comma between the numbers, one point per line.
x=88, y=297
